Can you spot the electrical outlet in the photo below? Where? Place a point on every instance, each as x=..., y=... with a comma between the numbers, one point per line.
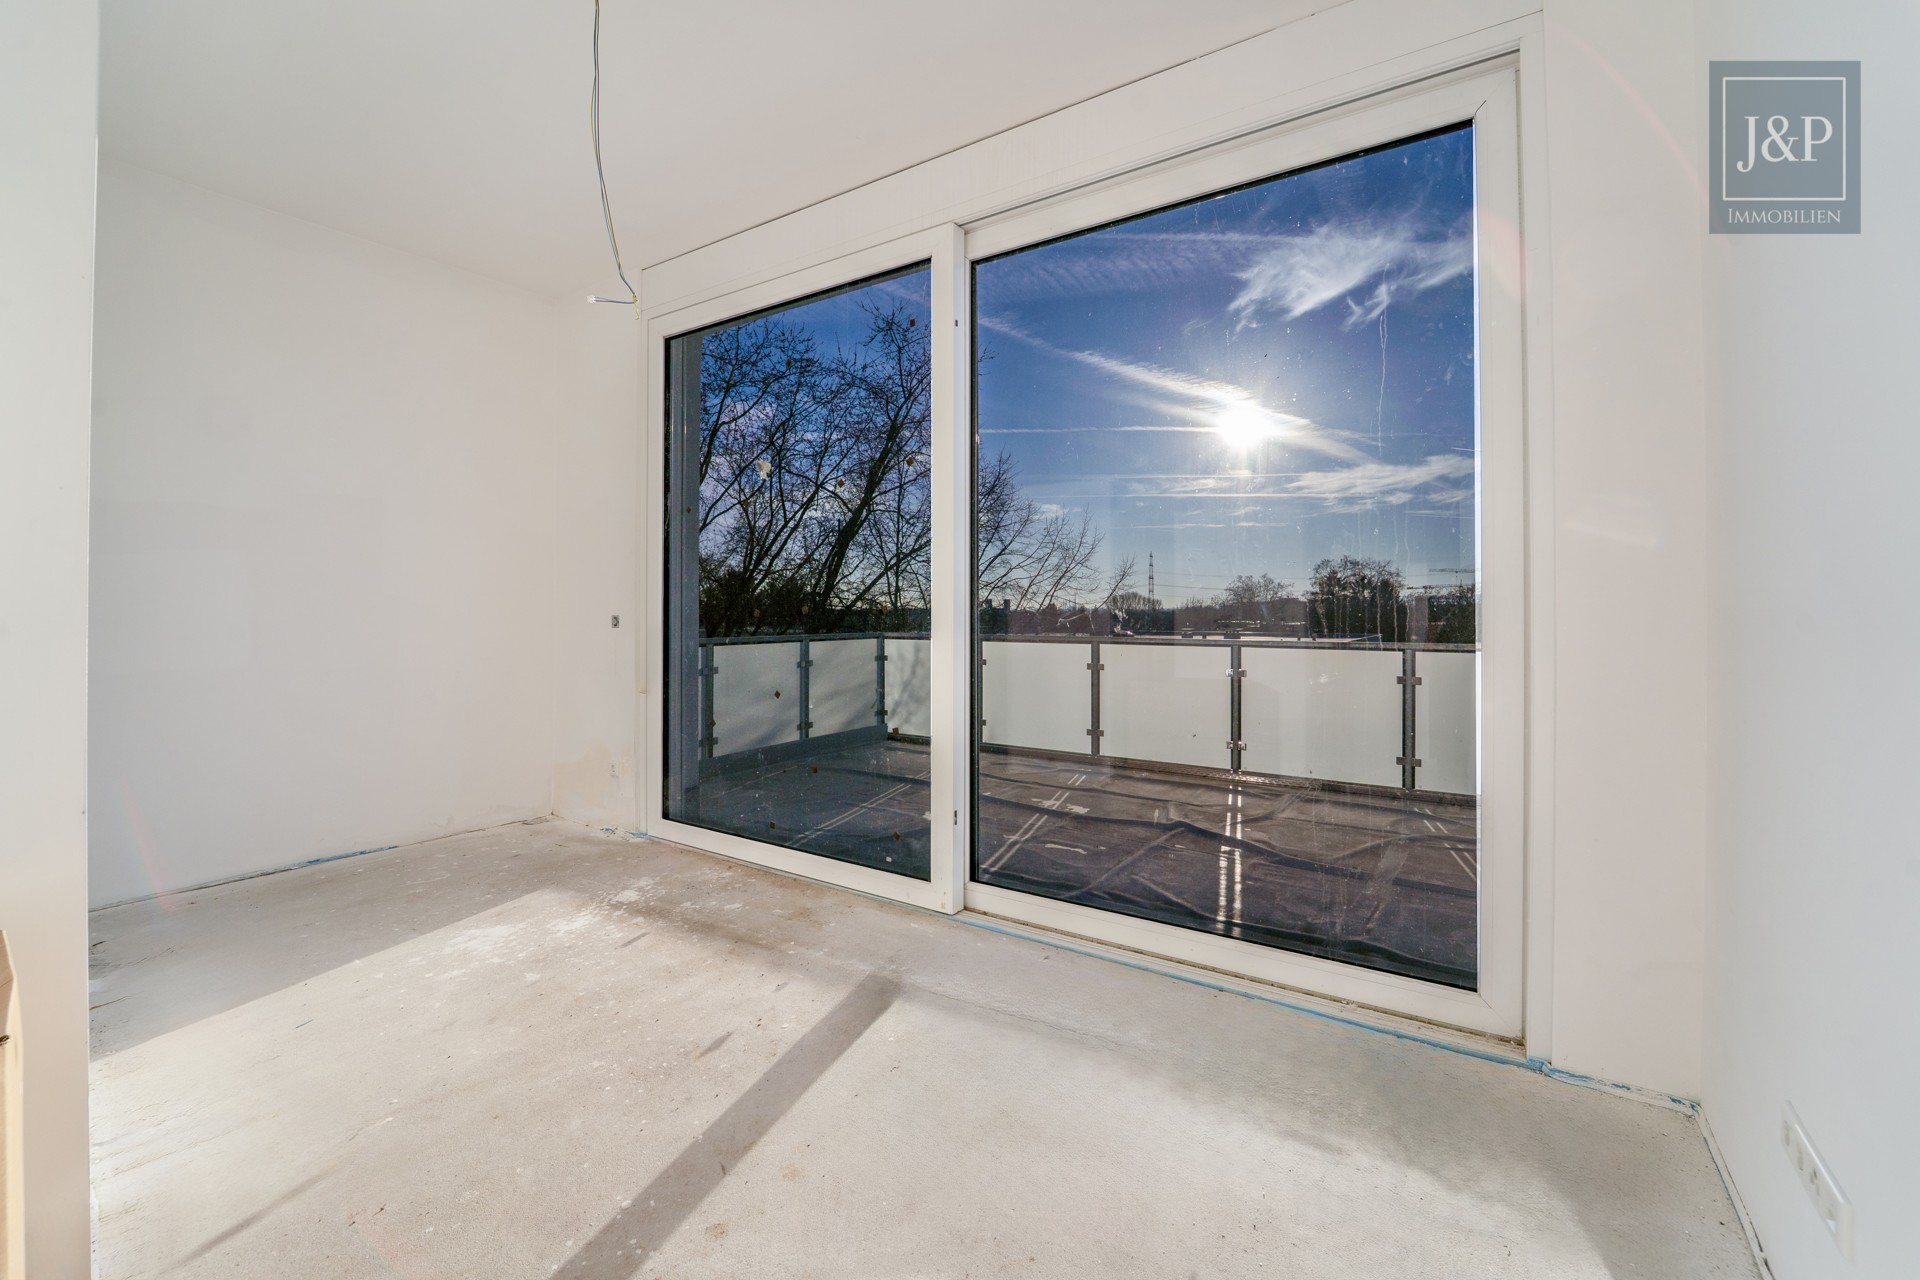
x=1817, y=1181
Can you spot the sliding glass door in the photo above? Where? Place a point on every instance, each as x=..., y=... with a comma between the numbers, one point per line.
x=1226, y=495
x=1143, y=562
x=799, y=542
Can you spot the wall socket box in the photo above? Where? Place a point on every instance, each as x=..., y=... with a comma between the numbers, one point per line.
x=1817, y=1181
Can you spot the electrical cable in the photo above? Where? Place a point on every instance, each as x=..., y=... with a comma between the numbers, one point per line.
x=606, y=208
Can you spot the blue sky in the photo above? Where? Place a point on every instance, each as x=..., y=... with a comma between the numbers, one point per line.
x=1252, y=382
x=839, y=321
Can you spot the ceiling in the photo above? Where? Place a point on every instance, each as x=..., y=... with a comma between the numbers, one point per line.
x=457, y=129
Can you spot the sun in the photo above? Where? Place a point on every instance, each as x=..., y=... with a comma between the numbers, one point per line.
x=1244, y=424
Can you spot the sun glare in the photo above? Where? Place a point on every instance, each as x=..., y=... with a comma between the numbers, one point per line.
x=1244, y=425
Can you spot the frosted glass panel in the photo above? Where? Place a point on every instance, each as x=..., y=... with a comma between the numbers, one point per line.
x=1165, y=703
x=1037, y=695
x=1322, y=713
x=909, y=679
x=1445, y=733
x=756, y=695
x=844, y=685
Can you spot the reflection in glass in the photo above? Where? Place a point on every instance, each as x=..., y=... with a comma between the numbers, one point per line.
x=1227, y=564
x=798, y=567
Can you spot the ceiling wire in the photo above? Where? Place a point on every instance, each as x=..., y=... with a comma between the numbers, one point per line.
x=606, y=208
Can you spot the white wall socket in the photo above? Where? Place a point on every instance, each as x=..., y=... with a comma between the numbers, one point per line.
x=1817, y=1181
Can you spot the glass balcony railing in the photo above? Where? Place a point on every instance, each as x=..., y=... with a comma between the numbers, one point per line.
x=1395, y=716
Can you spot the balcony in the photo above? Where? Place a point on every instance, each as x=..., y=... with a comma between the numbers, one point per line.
x=1316, y=796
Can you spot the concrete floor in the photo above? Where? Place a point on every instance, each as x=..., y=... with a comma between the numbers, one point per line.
x=537, y=1051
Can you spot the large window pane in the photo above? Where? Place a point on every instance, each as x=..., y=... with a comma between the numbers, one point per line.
x=1228, y=564
x=798, y=564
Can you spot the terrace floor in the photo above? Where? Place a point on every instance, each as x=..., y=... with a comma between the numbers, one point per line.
x=1378, y=878
x=540, y=1051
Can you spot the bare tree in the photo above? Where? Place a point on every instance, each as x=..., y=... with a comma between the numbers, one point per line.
x=1252, y=591
x=816, y=496
x=1029, y=556
x=1353, y=596
x=880, y=504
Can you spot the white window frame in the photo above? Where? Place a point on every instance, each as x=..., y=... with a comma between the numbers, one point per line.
x=942, y=247
x=1488, y=99
x=1486, y=94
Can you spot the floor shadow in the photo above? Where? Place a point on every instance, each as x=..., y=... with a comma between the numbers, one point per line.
x=620, y=1247
x=256, y=1216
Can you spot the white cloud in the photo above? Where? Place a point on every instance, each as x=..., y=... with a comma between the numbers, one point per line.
x=1102, y=430
x=1118, y=261
x=1171, y=382
x=1387, y=483
x=1304, y=272
x=1200, y=400
x=1166, y=381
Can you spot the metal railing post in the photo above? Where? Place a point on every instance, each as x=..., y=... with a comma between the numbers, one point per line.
x=980, y=670
x=1236, y=738
x=806, y=687
x=1094, y=731
x=709, y=714
x=880, y=681
x=1409, y=681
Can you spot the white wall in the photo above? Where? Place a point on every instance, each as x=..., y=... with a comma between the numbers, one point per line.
x=1630, y=670
x=323, y=531
x=1815, y=883
x=598, y=478
x=47, y=85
